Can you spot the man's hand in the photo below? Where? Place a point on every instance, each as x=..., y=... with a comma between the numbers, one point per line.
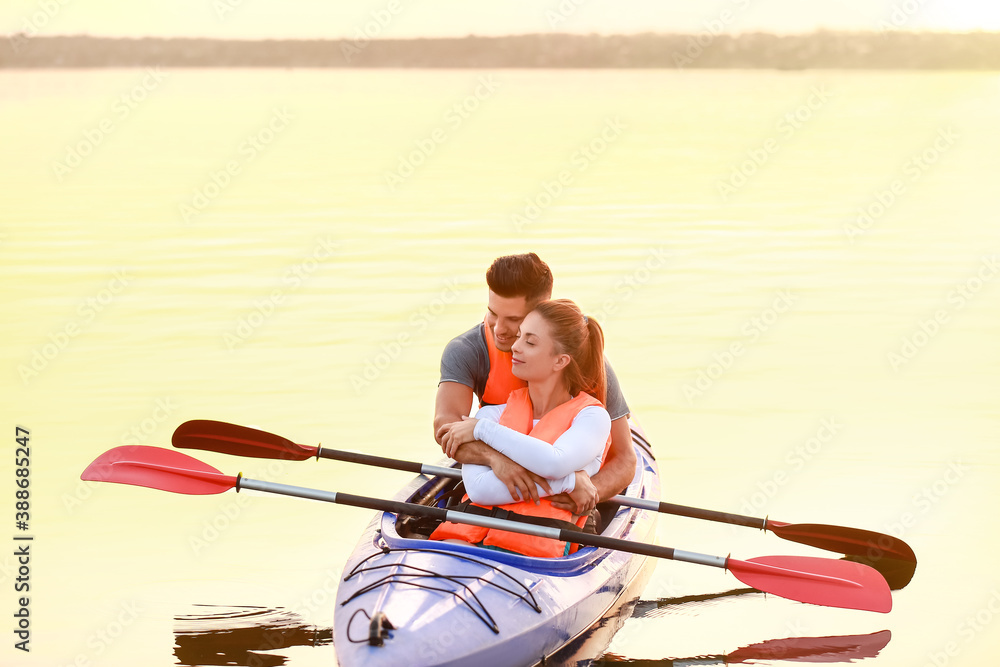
x=477, y=452
x=582, y=499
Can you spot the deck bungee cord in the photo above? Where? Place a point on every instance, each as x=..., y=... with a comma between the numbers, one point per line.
x=419, y=573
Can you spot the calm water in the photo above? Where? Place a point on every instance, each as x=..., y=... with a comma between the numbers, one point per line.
x=796, y=273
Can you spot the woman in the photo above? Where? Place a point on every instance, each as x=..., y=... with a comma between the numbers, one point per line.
x=553, y=427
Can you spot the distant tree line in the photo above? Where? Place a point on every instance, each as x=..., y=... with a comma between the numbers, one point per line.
x=875, y=50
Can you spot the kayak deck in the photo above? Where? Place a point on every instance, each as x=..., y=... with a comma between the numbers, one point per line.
x=405, y=600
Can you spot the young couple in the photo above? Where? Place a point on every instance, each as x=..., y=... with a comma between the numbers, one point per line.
x=543, y=443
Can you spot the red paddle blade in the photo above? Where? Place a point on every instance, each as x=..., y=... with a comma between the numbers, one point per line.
x=850, y=541
x=214, y=436
x=157, y=468
x=822, y=581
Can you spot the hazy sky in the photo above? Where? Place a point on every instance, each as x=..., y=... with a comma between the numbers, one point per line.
x=409, y=18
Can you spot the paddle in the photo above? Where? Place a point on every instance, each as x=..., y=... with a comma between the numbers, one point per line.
x=832, y=583
x=892, y=557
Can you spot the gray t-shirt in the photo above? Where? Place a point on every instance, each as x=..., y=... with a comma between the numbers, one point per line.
x=466, y=360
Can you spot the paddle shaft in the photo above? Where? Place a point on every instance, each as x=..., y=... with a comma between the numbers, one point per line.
x=822, y=581
x=456, y=473
x=880, y=550
x=398, y=507
x=384, y=462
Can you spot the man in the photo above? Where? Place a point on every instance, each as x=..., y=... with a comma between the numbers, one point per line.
x=479, y=362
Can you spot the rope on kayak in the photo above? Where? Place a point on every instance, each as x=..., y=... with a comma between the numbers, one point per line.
x=418, y=573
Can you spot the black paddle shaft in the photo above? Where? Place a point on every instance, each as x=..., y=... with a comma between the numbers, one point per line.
x=369, y=459
x=712, y=515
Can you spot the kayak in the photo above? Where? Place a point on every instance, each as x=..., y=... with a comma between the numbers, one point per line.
x=406, y=600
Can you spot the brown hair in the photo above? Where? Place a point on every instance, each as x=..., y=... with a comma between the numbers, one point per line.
x=582, y=338
x=520, y=275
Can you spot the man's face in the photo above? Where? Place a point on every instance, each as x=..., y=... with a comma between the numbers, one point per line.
x=503, y=317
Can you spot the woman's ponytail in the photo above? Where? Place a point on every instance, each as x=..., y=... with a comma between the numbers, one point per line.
x=582, y=338
x=591, y=361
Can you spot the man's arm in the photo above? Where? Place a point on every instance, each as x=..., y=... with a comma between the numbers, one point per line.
x=618, y=471
x=614, y=475
x=453, y=401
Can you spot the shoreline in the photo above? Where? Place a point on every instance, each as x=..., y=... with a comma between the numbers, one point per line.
x=893, y=50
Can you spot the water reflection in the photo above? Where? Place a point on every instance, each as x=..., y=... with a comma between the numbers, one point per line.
x=662, y=606
x=584, y=649
x=242, y=636
x=844, y=648
x=847, y=648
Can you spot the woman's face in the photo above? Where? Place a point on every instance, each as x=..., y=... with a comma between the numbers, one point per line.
x=534, y=353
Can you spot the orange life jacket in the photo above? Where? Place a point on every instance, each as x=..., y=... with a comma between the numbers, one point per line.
x=501, y=380
x=518, y=415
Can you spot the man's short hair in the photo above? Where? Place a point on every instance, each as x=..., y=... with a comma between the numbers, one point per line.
x=520, y=275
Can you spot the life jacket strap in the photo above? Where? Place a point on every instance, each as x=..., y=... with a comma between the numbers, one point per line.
x=507, y=515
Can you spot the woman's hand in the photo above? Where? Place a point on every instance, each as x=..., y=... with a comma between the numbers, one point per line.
x=457, y=434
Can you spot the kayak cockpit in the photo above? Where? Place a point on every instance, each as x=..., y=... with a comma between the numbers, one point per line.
x=412, y=532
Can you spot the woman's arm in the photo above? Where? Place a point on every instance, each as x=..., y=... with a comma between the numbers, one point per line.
x=485, y=488
x=581, y=444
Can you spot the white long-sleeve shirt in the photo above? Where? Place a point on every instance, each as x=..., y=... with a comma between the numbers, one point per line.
x=580, y=447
